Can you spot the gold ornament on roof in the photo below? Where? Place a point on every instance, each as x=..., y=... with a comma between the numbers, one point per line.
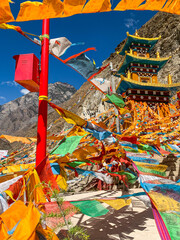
x=136, y=33
x=157, y=54
x=169, y=79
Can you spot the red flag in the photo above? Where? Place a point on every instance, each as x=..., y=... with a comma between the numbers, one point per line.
x=46, y=175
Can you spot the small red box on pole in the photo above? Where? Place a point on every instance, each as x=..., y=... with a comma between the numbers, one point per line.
x=27, y=71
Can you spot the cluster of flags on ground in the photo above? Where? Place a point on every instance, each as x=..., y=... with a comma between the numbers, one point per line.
x=81, y=146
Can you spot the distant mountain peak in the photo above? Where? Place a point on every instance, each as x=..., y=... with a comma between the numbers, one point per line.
x=22, y=112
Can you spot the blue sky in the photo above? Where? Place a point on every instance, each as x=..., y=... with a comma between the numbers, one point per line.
x=104, y=31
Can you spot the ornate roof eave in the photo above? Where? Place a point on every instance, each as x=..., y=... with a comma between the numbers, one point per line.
x=138, y=38
x=143, y=59
x=130, y=83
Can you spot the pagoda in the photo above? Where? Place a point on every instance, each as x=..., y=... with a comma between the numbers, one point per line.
x=138, y=72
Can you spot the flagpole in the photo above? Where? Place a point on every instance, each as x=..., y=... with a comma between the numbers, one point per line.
x=43, y=94
x=114, y=91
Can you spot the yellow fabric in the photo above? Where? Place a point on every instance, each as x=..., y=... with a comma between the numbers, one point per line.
x=128, y=4
x=77, y=131
x=34, y=190
x=71, y=118
x=171, y=6
x=160, y=167
x=72, y=7
x=97, y=6
x=47, y=232
x=25, y=229
x=56, y=8
x=6, y=15
x=117, y=203
x=164, y=203
x=91, y=149
x=123, y=111
x=80, y=154
x=3, y=231
x=9, y=176
x=37, y=10
x=18, y=139
x=28, y=224
x=7, y=26
x=55, y=137
x=152, y=5
x=11, y=216
x=17, y=168
x=63, y=160
x=61, y=181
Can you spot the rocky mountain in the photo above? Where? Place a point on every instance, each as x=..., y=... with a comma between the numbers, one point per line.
x=19, y=114
x=87, y=102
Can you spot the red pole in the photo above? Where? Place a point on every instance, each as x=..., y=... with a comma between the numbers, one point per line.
x=43, y=91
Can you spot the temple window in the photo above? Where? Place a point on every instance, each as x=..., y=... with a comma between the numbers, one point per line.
x=140, y=54
x=145, y=79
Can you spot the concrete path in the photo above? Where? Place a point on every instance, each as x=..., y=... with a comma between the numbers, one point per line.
x=133, y=222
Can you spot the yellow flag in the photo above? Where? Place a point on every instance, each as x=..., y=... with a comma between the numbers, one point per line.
x=34, y=188
x=5, y=12
x=26, y=227
x=37, y=10
x=153, y=5
x=97, y=6
x=117, y=203
x=164, y=203
x=128, y=4
x=171, y=6
x=7, y=26
x=16, y=139
x=72, y=7
x=68, y=116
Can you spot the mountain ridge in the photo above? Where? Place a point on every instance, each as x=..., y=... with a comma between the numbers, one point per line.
x=22, y=112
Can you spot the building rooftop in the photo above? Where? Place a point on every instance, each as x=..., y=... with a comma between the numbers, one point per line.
x=131, y=39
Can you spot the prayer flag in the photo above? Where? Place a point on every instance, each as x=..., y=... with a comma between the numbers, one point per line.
x=6, y=15
x=68, y=145
x=91, y=208
x=117, y=203
x=117, y=100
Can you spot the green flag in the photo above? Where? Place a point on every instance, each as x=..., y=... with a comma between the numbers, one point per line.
x=68, y=146
x=117, y=100
x=91, y=208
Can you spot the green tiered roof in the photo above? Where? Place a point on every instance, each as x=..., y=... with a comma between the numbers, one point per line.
x=126, y=84
x=129, y=58
x=138, y=40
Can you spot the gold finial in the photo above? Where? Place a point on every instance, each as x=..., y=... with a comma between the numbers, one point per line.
x=129, y=75
x=131, y=51
x=127, y=33
x=169, y=79
x=136, y=33
x=157, y=54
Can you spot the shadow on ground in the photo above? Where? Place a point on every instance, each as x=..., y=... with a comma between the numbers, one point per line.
x=117, y=225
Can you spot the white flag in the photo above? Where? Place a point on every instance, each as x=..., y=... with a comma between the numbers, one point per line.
x=58, y=46
x=101, y=83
